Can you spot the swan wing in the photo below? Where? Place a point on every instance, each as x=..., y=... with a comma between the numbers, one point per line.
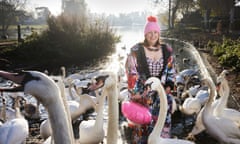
x=191, y=106
x=222, y=128
x=232, y=114
x=89, y=134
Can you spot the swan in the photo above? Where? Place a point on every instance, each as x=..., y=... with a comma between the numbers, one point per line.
x=191, y=91
x=43, y=88
x=154, y=137
x=45, y=128
x=14, y=131
x=219, y=107
x=76, y=108
x=82, y=87
x=62, y=75
x=188, y=72
x=91, y=131
x=112, y=92
x=220, y=110
x=221, y=128
x=192, y=105
x=30, y=111
x=224, y=92
x=3, y=110
x=8, y=113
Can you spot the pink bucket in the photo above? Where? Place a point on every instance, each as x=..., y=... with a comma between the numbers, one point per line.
x=136, y=113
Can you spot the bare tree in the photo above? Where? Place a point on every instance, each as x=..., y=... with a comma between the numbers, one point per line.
x=9, y=10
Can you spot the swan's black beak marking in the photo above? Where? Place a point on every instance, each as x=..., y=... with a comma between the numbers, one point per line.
x=100, y=81
x=148, y=85
x=20, y=78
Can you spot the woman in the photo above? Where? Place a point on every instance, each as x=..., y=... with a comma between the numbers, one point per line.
x=147, y=59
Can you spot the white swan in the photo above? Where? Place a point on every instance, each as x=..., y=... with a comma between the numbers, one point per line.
x=46, y=92
x=219, y=107
x=3, y=110
x=76, y=108
x=192, y=91
x=8, y=113
x=224, y=92
x=45, y=128
x=110, y=89
x=91, y=131
x=221, y=128
x=154, y=137
x=192, y=105
x=112, y=92
x=81, y=87
x=14, y=131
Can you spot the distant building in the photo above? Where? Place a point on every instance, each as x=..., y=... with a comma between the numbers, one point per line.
x=42, y=14
x=73, y=7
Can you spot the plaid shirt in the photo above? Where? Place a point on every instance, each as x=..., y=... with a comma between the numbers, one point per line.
x=155, y=67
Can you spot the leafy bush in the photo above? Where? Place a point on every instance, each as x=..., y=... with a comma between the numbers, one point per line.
x=69, y=40
x=228, y=53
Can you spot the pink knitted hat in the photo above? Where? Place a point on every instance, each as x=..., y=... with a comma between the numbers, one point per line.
x=151, y=25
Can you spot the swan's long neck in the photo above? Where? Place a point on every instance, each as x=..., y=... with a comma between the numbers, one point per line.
x=63, y=72
x=112, y=131
x=61, y=127
x=100, y=107
x=3, y=110
x=85, y=103
x=208, y=106
x=224, y=94
x=162, y=113
x=64, y=99
x=70, y=91
x=17, y=109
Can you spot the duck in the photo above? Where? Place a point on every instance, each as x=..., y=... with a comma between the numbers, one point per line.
x=154, y=137
x=219, y=127
x=45, y=90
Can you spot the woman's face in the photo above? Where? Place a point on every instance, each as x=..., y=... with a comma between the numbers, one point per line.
x=152, y=37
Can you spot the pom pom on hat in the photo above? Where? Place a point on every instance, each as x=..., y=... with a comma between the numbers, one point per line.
x=152, y=19
x=151, y=25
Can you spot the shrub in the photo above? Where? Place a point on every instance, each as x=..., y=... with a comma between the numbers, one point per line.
x=228, y=53
x=68, y=40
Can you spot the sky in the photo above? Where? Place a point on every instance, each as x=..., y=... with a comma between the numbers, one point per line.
x=98, y=6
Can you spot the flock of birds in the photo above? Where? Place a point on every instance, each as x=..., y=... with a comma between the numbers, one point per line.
x=67, y=99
